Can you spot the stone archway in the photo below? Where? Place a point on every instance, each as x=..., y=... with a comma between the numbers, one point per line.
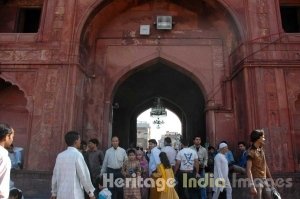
x=111, y=50
x=178, y=92
x=13, y=111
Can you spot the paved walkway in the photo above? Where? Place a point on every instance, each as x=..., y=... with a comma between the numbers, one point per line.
x=37, y=185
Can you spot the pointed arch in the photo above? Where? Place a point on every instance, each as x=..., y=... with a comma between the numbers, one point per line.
x=97, y=6
x=154, y=59
x=13, y=110
x=136, y=89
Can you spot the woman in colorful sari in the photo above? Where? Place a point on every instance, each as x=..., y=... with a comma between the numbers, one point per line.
x=165, y=178
x=140, y=156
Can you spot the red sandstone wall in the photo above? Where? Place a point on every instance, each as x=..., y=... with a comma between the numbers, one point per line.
x=293, y=90
x=55, y=67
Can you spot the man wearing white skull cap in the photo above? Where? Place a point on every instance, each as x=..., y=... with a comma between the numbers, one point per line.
x=221, y=170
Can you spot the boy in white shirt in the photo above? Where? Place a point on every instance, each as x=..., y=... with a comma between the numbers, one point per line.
x=186, y=162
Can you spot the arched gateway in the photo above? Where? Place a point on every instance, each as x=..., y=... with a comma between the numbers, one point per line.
x=176, y=89
x=185, y=65
x=225, y=67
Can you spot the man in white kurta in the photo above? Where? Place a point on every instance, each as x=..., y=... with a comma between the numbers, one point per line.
x=71, y=174
x=5, y=166
x=6, y=138
x=221, y=170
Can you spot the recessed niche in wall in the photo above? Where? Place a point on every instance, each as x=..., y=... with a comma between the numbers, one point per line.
x=290, y=18
x=28, y=20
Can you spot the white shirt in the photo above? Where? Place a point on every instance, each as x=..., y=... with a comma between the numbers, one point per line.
x=114, y=158
x=171, y=153
x=187, y=157
x=221, y=168
x=70, y=174
x=154, y=159
x=5, y=166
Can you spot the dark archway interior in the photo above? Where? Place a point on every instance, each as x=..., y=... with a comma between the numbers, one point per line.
x=178, y=92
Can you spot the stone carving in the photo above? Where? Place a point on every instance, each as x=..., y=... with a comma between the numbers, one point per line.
x=6, y=55
x=271, y=97
x=58, y=20
x=218, y=60
x=51, y=81
x=25, y=55
x=293, y=88
x=262, y=17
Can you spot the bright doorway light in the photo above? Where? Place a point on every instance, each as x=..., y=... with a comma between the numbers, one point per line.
x=147, y=129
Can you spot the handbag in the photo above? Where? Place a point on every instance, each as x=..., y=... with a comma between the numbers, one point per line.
x=275, y=194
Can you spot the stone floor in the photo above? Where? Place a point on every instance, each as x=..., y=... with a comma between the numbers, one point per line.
x=37, y=185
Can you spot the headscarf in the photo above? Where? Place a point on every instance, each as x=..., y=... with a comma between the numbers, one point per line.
x=143, y=162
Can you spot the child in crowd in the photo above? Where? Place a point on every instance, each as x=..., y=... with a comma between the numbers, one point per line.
x=15, y=194
x=140, y=156
x=131, y=169
x=102, y=191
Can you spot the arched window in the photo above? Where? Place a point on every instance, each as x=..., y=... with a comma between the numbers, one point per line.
x=13, y=112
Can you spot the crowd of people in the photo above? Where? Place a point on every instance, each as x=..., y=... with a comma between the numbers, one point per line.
x=84, y=171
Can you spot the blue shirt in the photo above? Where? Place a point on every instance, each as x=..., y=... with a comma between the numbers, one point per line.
x=154, y=159
x=243, y=159
x=104, y=194
x=229, y=157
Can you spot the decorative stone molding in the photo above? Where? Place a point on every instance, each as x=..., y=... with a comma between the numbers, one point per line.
x=25, y=55
x=262, y=17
